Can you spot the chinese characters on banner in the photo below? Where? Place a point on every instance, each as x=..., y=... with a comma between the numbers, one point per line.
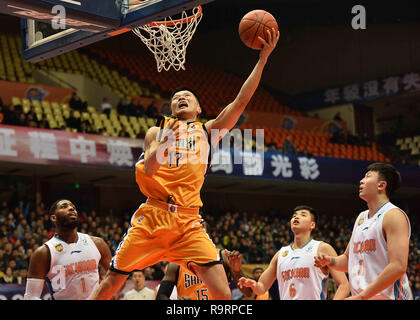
x=54, y=147
x=373, y=89
x=39, y=146
x=268, y=165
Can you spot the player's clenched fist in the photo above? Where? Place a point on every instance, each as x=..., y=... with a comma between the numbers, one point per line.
x=322, y=260
x=244, y=282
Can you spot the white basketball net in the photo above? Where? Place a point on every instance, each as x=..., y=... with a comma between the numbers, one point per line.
x=168, y=40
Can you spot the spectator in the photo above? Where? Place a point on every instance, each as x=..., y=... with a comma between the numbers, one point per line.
x=3, y=261
x=44, y=124
x=338, y=136
x=140, y=291
x=106, y=106
x=85, y=127
x=1, y=114
x=23, y=227
x=288, y=146
x=148, y=273
x=364, y=140
x=10, y=116
x=152, y=111
x=73, y=122
x=256, y=274
x=22, y=121
x=337, y=117
x=31, y=121
x=123, y=133
x=165, y=109
x=141, y=134
x=135, y=108
x=22, y=276
x=8, y=277
x=75, y=102
x=123, y=108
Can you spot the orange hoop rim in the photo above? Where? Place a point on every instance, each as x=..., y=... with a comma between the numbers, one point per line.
x=173, y=22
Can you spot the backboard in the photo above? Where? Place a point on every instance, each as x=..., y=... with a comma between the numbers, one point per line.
x=86, y=21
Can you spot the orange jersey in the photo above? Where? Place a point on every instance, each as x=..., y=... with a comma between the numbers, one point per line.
x=190, y=285
x=184, y=164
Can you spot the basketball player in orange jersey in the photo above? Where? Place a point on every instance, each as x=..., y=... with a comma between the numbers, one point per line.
x=292, y=265
x=376, y=257
x=190, y=287
x=168, y=226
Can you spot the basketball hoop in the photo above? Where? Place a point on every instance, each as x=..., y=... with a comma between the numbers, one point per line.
x=168, y=39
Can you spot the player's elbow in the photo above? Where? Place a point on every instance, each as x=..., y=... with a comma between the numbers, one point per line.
x=400, y=266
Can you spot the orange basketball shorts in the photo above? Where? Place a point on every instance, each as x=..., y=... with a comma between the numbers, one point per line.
x=162, y=232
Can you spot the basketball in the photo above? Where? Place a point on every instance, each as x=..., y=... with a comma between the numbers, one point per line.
x=256, y=23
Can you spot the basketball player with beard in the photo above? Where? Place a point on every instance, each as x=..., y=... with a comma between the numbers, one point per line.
x=69, y=262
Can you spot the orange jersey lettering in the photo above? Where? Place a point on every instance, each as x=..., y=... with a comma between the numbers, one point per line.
x=183, y=165
x=190, y=285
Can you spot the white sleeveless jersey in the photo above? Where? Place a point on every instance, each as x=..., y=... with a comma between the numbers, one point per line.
x=73, y=273
x=368, y=255
x=297, y=277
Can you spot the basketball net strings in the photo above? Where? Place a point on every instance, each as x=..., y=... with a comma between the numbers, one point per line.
x=168, y=43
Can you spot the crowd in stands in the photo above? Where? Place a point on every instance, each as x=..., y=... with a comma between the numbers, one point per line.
x=24, y=227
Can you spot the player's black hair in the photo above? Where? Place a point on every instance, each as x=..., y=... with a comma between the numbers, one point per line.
x=184, y=88
x=388, y=173
x=310, y=209
x=54, y=206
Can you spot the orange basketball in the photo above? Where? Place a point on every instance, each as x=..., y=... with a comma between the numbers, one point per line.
x=256, y=23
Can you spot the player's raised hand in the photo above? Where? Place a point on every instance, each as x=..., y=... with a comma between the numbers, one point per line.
x=170, y=132
x=234, y=260
x=269, y=45
x=322, y=260
x=245, y=282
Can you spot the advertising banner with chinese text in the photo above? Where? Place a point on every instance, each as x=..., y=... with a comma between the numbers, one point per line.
x=359, y=92
x=54, y=147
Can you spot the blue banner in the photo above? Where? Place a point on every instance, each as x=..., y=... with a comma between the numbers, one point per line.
x=17, y=291
x=274, y=165
x=359, y=92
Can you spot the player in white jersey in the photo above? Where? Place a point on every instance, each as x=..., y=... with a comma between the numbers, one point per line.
x=293, y=265
x=377, y=255
x=69, y=261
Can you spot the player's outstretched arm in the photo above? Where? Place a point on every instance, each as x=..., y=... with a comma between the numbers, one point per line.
x=340, y=278
x=39, y=266
x=396, y=232
x=231, y=113
x=265, y=281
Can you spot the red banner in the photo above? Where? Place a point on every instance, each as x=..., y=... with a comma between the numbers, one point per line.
x=33, y=92
x=43, y=146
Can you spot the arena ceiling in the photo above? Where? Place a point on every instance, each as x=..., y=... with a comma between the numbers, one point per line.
x=312, y=12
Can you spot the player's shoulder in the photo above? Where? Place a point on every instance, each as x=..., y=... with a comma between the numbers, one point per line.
x=325, y=247
x=395, y=215
x=98, y=241
x=42, y=253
